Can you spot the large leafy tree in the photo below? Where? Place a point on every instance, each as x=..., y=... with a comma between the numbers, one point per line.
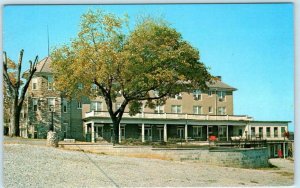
x=149, y=63
x=15, y=89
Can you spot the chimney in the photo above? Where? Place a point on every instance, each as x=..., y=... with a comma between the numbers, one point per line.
x=219, y=77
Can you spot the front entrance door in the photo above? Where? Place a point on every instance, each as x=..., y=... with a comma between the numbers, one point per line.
x=180, y=133
x=98, y=131
x=148, y=133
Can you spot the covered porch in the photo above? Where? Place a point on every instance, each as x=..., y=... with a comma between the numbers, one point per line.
x=158, y=132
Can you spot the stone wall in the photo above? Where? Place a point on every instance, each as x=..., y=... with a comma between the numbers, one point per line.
x=230, y=157
x=66, y=124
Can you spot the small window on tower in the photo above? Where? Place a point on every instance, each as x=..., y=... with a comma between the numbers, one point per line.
x=34, y=83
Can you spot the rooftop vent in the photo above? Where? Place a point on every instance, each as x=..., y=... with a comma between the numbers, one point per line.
x=219, y=77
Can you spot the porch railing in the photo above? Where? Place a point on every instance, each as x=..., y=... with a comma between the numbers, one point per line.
x=105, y=114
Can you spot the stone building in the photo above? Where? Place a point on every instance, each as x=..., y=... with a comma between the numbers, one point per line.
x=198, y=117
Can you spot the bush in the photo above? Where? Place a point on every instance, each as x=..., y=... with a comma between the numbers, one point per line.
x=175, y=140
x=131, y=141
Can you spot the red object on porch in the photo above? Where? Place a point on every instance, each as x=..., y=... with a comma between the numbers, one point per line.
x=279, y=153
x=212, y=138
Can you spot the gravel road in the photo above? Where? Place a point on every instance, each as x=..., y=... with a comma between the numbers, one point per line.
x=40, y=166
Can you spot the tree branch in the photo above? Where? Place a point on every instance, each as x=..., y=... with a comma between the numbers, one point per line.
x=19, y=70
x=31, y=73
x=5, y=74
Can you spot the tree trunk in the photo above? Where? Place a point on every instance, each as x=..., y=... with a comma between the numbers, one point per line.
x=14, y=127
x=115, y=130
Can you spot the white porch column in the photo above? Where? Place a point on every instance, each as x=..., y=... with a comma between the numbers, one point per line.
x=227, y=133
x=284, y=149
x=120, y=139
x=165, y=133
x=143, y=132
x=207, y=133
x=85, y=128
x=93, y=132
x=186, y=132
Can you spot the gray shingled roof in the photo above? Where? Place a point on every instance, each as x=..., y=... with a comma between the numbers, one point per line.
x=218, y=84
x=44, y=65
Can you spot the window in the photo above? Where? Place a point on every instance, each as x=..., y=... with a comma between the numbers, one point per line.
x=51, y=104
x=268, y=131
x=223, y=131
x=50, y=82
x=197, y=131
x=260, y=132
x=197, y=95
x=221, y=111
x=99, y=131
x=122, y=132
x=34, y=83
x=94, y=88
x=155, y=93
x=65, y=106
x=159, y=109
x=176, y=109
x=65, y=128
x=240, y=132
x=96, y=106
x=197, y=110
x=117, y=105
x=35, y=104
x=80, y=86
x=210, y=109
x=209, y=93
x=275, y=131
x=253, y=132
x=221, y=95
x=79, y=105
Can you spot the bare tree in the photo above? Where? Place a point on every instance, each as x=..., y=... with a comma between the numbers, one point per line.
x=15, y=93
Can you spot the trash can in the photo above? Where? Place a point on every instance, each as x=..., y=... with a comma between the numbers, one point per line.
x=88, y=137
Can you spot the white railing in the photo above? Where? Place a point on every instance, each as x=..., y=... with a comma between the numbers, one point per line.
x=171, y=116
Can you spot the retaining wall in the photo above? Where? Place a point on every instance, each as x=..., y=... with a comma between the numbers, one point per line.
x=230, y=157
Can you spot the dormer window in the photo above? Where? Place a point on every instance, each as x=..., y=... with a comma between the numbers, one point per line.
x=177, y=96
x=209, y=93
x=197, y=95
